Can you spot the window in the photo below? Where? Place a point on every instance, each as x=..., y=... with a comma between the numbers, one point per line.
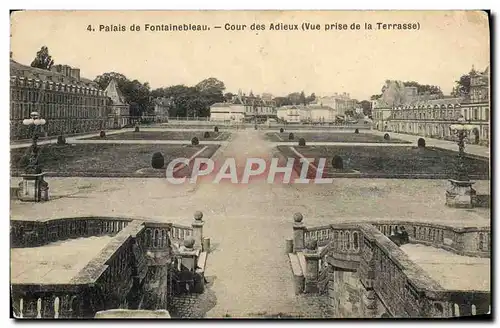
x=476, y=114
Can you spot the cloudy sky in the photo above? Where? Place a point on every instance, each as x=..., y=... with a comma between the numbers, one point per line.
x=354, y=61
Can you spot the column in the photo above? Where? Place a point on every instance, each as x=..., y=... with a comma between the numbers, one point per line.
x=298, y=233
x=312, y=267
x=198, y=229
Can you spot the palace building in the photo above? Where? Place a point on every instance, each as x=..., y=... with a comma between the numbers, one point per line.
x=243, y=108
x=405, y=111
x=69, y=103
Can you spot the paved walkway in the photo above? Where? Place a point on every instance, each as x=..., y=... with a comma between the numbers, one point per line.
x=476, y=150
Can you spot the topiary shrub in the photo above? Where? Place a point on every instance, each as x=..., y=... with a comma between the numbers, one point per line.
x=290, y=136
x=386, y=136
x=281, y=130
x=136, y=129
x=61, y=140
x=206, y=134
x=302, y=142
x=356, y=131
x=338, y=162
x=102, y=134
x=157, y=161
x=421, y=143
x=216, y=129
x=195, y=141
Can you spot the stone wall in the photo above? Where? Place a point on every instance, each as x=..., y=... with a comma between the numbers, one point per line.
x=345, y=297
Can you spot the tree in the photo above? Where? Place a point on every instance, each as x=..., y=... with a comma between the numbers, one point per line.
x=311, y=98
x=367, y=107
x=302, y=98
x=211, y=85
x=424, y=88
x=228, y=96
x=462, y=86
x=282, y=101
x=43, y=60
x=136, y=94
x=375, y=97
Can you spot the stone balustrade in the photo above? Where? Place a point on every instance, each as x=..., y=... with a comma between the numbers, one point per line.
x=390, y=282
x=50, y=301
x=463, y=241
x=41, y=232
x=116, y=278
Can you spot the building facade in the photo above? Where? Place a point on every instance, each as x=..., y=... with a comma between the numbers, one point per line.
x=431, y=116
x=69, y=103
x=120, y=110
x=341, y=103
x=161, y=109
x=307, y=114
x=244, y=108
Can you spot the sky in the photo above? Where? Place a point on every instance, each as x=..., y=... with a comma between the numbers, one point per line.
x=446, y=46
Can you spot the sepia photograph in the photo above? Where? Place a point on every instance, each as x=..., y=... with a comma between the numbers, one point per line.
x=250, y=164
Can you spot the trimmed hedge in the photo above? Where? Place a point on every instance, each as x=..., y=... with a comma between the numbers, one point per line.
x=386, y=136
x=421, y=143
x=102, y=134
x=157, y=161
x=206, y=134
x=195, y=141
x=356, y=131
x=61, y=140
x=216, y=129
x=302, y=142
x=136, y=129
x=291, y=136
x=281, y=130
x=338, y=162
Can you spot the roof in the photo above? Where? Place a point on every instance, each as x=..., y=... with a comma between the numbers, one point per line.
x=113, y=92
x=319, y=107
x=17, y=69
x=221, y=105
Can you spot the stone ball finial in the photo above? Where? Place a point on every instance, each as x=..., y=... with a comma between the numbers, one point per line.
x=297, y=217
x=189, y=242
x=198, y=215
x=312, y=245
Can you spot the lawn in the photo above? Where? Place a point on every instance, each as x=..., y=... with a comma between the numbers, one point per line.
x=106, y=160
x=392, y=162
x=332, y=137
x=165, y=135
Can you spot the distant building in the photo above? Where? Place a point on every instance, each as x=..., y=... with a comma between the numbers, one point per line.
x=69, y=103
x=120, y=110
x=401, y=110
x=340, y=103
x=243, y=108
x=161, y=109
x=307, y=114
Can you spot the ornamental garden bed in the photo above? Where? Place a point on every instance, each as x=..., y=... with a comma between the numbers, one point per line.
x=106, y=160
x=390, y=162
x=332, y=137
x=165, y=135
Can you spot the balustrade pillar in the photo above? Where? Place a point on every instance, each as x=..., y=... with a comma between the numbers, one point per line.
x=298, y=233
x=367, y=278
x=312, y=267
x=198, y=230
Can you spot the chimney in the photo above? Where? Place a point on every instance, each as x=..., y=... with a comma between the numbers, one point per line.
x=66, y=70
x=75, y=73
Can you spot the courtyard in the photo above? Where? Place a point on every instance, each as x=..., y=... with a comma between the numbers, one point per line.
x=248, y=272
